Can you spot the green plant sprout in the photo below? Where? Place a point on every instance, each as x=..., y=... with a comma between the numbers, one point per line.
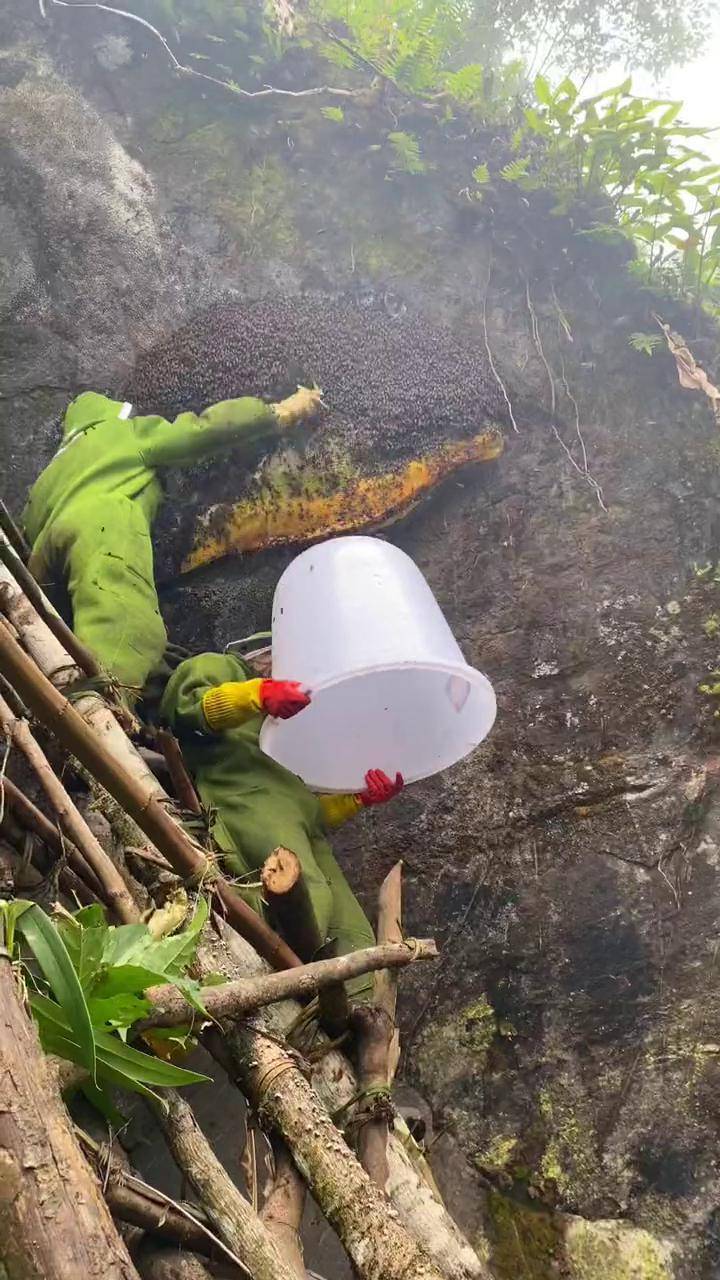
x=87, y=988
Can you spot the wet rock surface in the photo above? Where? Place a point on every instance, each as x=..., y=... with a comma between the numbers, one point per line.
x=569, y=1039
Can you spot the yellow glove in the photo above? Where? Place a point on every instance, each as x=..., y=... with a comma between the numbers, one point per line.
x=301, y=406
x=229, y=705
x=338, y=809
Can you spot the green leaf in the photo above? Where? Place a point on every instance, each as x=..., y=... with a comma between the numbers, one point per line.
x=333, y=113
x=117, y=1063
x=51, y=954
x=119, y=1011
x=644, y=342
x=567, y=90
x=407, y=152
x=670, y=114
x=467, y=83
x=543, y=92
x=536, y=122
x=515, y=169
x=481, y=173
x=133, y=946
x=172, y=955
x=126, y=943
x=85, y=944
x=139, y=1067
x=11, y=910
x=127, y=979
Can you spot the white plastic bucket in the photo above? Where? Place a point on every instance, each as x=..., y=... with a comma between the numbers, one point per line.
x=355, y=622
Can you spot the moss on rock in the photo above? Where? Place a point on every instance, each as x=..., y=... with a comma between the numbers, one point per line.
x=569, y=1161
x=526, y=1241
x=608, y=1250
x=457, y=1046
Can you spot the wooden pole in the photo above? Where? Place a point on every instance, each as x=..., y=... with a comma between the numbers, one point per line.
x=54, y=1223
x=185, y=792
x=13, y=533
x=286, y=893
x=283, y=1209
x=78, y=652
x=232, y=1216
x=379, y=1042
x=53, y=660
x=423, y=1215
x=60, y=717
x=378, y=1246
x=116, y=892
x=237, y=999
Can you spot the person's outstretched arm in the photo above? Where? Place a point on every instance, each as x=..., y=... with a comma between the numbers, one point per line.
x=379, y=789
x=212, y=693
x=246, y=420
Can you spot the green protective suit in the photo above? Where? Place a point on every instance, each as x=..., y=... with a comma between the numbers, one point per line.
x=89, y=515
x=257, y=804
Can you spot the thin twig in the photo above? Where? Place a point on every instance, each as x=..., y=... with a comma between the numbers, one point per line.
x=3, y=769
x=537, y=339
x=266, y=92
x=562, y=318
x=491, y=361
x=539, y=346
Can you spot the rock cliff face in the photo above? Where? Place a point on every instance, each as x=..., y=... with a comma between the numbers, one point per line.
x=569, y=1040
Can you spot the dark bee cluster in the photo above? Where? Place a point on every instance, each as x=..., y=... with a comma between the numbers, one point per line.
x=400, y=382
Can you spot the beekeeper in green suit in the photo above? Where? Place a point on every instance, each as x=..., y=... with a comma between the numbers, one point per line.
x=89, y=515
x=216, y=707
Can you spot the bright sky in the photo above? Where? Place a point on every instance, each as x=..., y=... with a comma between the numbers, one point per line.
x=697, y=86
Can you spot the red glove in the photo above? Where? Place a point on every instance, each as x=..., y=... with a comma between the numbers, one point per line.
x=379, y=788
x=283, y=698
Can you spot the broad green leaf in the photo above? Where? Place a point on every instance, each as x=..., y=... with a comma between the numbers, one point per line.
x=133, y=946
x=333, y=113
x=536, y=122
x=51, y=954
x=543, y=92
x=120, y=1011
x=566, y=89
x=672, y=111
x=86, y=946
x=62, y=1047
x=126, y=944
x=127, y=979
x=92, y=917
x=141, y=1067
x=117, y=1063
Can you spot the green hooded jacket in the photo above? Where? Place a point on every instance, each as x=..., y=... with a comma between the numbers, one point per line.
x=102, y=453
